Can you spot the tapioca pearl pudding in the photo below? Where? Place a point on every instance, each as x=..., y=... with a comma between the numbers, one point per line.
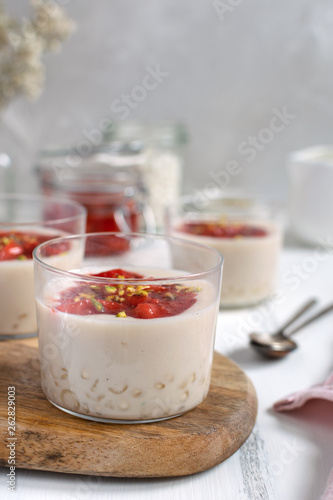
x=251, y=254
x=122, y=367
x=17, y=297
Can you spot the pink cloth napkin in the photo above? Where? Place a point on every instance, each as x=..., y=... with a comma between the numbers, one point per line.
x=296, y=400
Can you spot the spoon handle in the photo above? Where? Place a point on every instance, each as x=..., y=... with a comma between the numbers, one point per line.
x=310, y=303
x=320, y=313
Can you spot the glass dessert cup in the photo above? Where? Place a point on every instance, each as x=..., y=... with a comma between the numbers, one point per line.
x=127, y=336
x=245, y=229
x=25, y=222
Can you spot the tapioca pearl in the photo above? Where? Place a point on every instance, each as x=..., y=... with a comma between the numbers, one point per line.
x=136, y=393
x=109, y=405
x=118, y=389
x=170, y=378
x=184, y=396
x=55, y=372
x=85, y=374
x=69, y=399
x=94, y=397
x=159, y=386
x=183, y=385
x=192, y=378
x=124, y=344
x=93, y=387
x=123, y=405
x=64, y=376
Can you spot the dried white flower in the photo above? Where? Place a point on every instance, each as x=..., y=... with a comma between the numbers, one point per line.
x=22, y=45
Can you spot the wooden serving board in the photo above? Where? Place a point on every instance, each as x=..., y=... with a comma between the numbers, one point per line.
x=51, y=440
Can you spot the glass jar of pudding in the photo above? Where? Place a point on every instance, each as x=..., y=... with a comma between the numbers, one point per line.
x=126, y=336
x=107, y=182
x=247, y=230
x=163, y=145
x=25, y=222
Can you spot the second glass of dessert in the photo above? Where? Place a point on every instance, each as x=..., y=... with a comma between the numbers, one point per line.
x=245, y=229
x=25, y=222
x=126, y=333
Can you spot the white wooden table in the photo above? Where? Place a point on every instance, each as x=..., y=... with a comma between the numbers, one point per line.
x=288, y=456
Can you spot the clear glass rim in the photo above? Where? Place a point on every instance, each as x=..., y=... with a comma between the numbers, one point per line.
x=184, y=277
x=42, y=199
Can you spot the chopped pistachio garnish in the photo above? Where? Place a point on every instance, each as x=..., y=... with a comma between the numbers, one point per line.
x=86, y=295
x=121, y=314
x=97, y=305
x=22, y=257
x=121, y=292
x=94, y=286
x=140, y=290
x=110, y=289
x=170, y=295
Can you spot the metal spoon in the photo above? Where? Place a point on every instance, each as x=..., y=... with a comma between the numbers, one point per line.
x=279, y=344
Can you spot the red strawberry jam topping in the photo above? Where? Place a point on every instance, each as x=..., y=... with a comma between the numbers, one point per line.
x=223, y=230
x=18, y=245
x=137, y=301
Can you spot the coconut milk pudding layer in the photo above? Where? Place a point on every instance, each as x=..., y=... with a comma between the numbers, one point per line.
x=17, y=297
x=250, y=250
x=118, y=352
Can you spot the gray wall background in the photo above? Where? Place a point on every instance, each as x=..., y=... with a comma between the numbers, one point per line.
x=232, y=66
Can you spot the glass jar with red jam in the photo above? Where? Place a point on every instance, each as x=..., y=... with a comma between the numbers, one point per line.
x=106, y=181
x=247, y=231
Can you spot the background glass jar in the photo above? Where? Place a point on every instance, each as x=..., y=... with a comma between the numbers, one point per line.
x=162, y=143
x=107, y=182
